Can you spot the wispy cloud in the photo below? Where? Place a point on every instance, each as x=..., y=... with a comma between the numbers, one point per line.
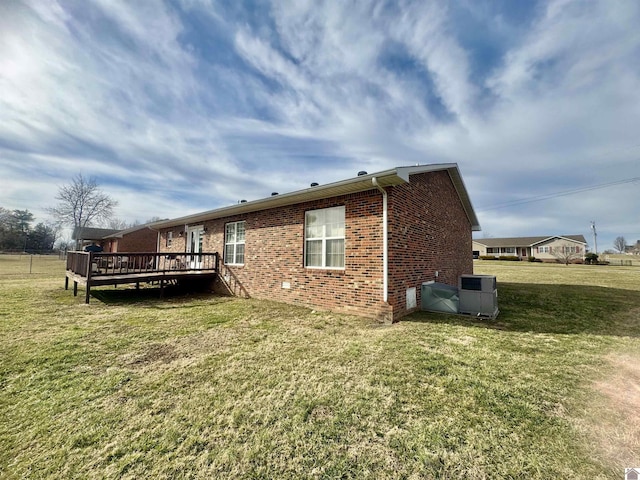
x=195, y=104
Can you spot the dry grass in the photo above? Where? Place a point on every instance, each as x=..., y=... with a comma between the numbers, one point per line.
x=615, y=425
x=627, y=278
x=205, y=387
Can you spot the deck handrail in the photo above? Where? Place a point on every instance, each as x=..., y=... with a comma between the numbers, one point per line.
x=88, y=264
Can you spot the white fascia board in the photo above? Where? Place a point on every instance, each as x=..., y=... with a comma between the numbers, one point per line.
x=344, y=187
x=387, y=178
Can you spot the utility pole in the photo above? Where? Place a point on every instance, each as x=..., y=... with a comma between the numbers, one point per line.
x=595, y=236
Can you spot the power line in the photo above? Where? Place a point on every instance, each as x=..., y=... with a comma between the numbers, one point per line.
x=564, y=193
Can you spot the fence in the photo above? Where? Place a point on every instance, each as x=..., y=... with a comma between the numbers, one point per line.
x=622, y=263
x=24, y=263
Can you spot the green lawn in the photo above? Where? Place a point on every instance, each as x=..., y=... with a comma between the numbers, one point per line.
x=197, y=386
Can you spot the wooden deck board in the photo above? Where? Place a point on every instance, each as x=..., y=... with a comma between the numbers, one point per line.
x=98, y=279
x=95, y=269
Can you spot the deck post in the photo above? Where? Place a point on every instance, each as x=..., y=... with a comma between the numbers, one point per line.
x=66, y=283
x=75, y=288
x=89, y=271
x=162, y=288
x=137, y=285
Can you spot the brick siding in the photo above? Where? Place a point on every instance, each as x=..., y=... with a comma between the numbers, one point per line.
x=428, y=231
x=143, y=240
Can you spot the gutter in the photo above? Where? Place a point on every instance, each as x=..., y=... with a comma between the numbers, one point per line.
x=385, y=242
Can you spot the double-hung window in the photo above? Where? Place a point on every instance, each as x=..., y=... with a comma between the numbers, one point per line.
x=234, y=243
x=324, y=238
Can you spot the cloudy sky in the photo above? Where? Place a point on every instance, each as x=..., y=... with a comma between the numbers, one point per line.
x=187, y=105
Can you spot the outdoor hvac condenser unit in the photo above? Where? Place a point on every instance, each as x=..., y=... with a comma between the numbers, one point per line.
x=438, y=297
x=478, y=295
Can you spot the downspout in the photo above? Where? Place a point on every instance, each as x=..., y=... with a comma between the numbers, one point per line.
x=385, y=243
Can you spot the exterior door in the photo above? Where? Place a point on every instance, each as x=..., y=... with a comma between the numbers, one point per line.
x=194, y=246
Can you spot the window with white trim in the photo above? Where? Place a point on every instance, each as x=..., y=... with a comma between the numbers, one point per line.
x=169, y=238
x=234, y=243
x=324, y=238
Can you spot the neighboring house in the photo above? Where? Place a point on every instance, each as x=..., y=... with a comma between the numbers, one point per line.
x=88, y=235
x=633, y=249
x=140, y=238
x=363, y=245
x=542, y=248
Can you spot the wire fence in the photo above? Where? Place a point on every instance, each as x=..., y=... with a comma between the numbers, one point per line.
x=28, y=263
x=621, y=260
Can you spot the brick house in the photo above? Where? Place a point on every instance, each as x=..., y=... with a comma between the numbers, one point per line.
x=140, y=238
x=362, y=245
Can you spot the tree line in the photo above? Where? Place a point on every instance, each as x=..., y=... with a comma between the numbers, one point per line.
x=17, y=232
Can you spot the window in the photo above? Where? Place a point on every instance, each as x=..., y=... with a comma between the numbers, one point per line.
x=234, y=243
x=508, y=249
x=493, y=250
x=324, y=238
x=169, y=238
x=544, y=249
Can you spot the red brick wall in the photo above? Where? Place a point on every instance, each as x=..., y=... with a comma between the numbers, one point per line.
x=143, y=240
x=428, y=232
x=274, y=253
x=110, y=245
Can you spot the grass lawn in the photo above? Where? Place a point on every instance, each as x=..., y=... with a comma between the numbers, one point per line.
x=196, y=386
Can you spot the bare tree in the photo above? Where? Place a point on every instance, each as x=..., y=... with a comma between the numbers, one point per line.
x=82, y=203
x=620, y=244
x=566, y=254
x=117, y=224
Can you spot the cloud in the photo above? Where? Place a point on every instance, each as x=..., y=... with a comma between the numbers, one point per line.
x=195, y=104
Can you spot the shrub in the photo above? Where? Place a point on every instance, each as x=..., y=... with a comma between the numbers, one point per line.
x=510, y=258
x=488, y=257
x=591, y=258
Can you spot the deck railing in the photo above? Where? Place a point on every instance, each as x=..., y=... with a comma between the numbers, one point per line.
x=92, y=264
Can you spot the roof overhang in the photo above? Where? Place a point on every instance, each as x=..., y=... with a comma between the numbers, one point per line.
x=559, y=237
x=387, y=178
x=122, y=233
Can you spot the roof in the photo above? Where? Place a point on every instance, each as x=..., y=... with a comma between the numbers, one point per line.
x=91, y=233
x=121, y=233
x=526, y=241
x=362, y=183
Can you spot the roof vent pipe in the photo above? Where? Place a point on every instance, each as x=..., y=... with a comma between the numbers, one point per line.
x=361, y=173
x=243, y=201
x=273, y=194
x=314, y=184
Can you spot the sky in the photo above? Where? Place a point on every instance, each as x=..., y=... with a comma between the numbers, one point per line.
x=182, y=106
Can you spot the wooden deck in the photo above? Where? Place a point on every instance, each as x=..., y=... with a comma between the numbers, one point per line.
x=95, y=269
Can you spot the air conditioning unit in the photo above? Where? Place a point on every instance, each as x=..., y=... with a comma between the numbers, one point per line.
x=478, y=295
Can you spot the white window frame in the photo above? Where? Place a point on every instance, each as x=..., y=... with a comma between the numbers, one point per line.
x=169, y=241
x=234, y=244
x=323, y=238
